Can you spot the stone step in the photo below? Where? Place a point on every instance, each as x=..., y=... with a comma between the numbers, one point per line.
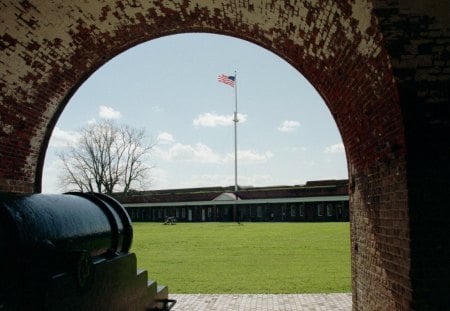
x=162, y=292
x=152, y=286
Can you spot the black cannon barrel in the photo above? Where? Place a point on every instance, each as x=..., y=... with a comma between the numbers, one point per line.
x=43, y=225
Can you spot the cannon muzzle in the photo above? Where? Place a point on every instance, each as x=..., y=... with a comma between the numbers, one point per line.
x=48, y=229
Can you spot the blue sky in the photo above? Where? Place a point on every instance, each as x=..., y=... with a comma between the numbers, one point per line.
x=286, y=134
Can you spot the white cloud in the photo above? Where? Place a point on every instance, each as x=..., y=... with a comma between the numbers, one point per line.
x=61, y=138
x=288, y=126
x=50, y=177
x=201, y=153
x=165, y=138
x=209, y=119
x=105, y=112
x=189, y=153
x=336, y=148
x=249, y=156
x=160, y=178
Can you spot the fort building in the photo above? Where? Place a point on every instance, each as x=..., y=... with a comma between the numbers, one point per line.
x=314, y=201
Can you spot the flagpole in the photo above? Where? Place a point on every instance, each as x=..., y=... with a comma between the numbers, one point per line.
x=235, y=134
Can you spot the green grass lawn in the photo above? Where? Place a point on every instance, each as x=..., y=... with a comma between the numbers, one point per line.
x=248, y=258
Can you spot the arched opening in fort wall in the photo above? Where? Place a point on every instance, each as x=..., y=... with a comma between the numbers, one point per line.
x=167, y=73
x=48, y=50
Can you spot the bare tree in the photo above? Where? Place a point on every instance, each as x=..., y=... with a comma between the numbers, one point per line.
x=107, y=157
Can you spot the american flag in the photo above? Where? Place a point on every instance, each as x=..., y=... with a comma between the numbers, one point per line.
x=226, y=79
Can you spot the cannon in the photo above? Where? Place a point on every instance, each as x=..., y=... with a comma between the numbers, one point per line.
x=71, y=252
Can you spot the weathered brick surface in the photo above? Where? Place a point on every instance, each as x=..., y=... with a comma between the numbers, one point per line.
x=384, y=89
x=417, y=36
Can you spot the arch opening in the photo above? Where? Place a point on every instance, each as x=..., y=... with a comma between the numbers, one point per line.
x=267, y=111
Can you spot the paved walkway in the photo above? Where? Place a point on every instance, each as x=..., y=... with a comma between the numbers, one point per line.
x=261, y=302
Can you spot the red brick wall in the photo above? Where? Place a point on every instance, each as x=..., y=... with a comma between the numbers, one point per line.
x=417, y=36
x=48, y=50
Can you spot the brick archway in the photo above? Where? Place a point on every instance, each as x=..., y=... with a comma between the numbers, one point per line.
x=48, y=50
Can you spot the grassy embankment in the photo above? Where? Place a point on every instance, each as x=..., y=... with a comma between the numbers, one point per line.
x=248, y=258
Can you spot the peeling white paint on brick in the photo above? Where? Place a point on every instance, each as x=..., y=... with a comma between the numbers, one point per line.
x=7, y=129
x=361, y=11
